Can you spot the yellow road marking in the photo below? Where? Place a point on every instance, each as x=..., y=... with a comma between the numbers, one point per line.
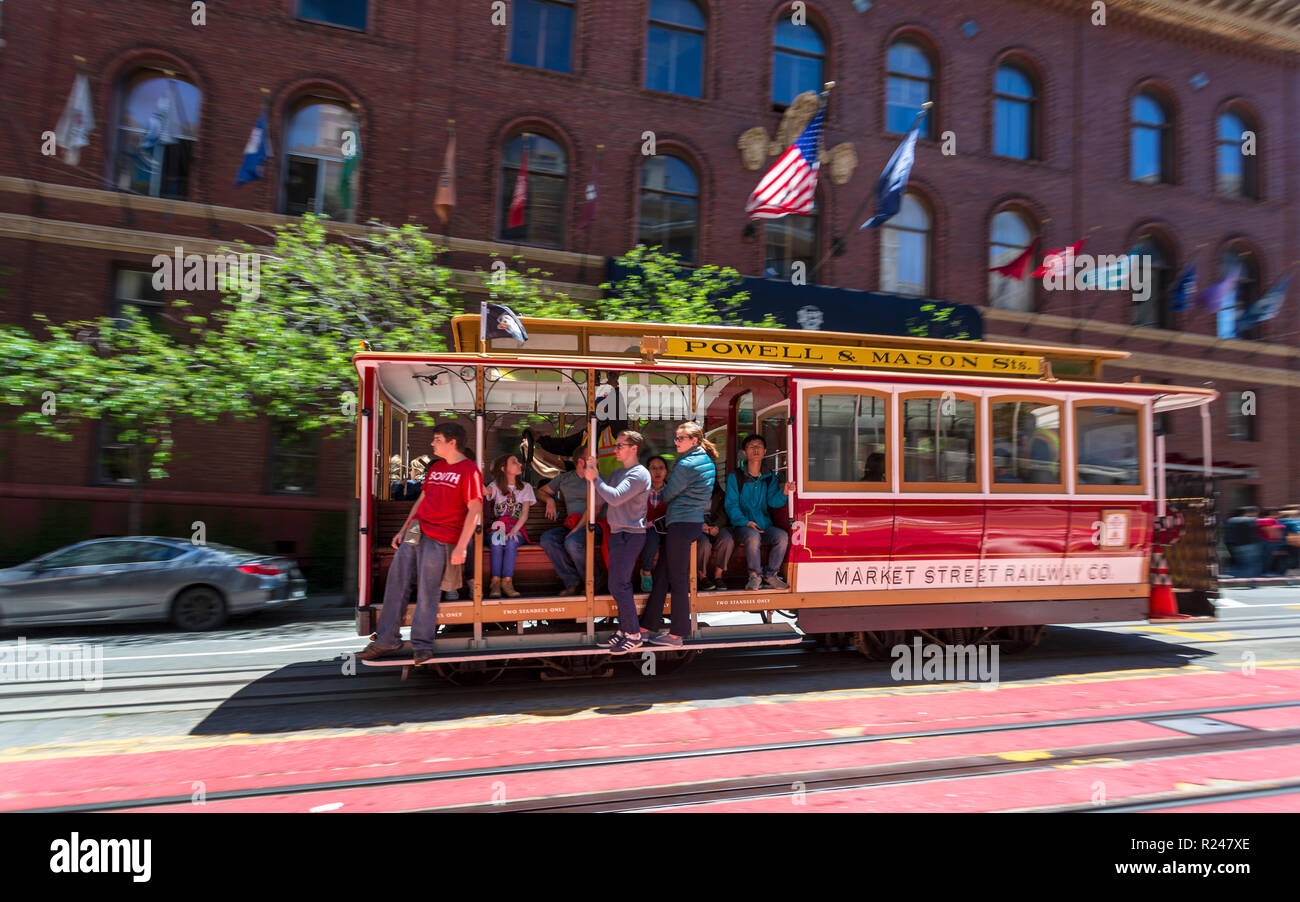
x=1036, y=755
x=1188, y=634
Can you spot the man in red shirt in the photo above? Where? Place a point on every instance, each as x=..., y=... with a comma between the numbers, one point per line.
x=448, y=509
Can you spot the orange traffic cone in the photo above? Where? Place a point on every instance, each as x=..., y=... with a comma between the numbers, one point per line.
x=1163, y=605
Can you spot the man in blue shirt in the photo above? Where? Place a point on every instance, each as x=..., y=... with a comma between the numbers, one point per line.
x=751, y=494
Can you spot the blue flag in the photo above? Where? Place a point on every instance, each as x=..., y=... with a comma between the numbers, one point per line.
x=256, y=152
x=1185, y=290
x=1265, y=308
x=893, y=181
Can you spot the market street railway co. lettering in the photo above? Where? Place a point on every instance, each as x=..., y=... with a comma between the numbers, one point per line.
x=830, y=355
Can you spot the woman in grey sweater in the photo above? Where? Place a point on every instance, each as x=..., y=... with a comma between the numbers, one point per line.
x=624, y=492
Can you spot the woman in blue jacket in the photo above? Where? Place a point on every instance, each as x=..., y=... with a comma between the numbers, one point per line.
x=751, y=494
x=688, y=493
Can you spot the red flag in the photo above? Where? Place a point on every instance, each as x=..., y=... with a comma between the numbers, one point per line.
x=520, y=198
x=1051, y=265
x=445, y=199
x=588, y=211
x=1017, y=268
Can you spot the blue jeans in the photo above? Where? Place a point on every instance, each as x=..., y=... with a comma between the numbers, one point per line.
x=568, y=555
x=428, y=559
x=1247, y=560
x=651, y=549
x=624, y=550
x=673, y=569
x=775, y=536
x=504, y=554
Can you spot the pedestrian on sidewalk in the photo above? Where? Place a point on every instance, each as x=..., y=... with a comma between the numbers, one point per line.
x=624, y=493
x=1241, y=535
x=448, y=510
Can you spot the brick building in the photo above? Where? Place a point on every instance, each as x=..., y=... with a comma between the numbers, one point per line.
x=1055, y=120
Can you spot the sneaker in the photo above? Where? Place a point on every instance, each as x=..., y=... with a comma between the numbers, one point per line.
x=612, y=640
x=720, y=585
x=775, y=582
x=665, y=639
x=375, y=650
x=453, y=595
x=625, y=644
x=704, y=584
x=647, y=582
x=754, y=584
x=423, y=657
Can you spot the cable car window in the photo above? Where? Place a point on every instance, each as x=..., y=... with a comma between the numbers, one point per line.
x=848, y=439
x=939, y=441
x=1026, y=442
x=1107, y=447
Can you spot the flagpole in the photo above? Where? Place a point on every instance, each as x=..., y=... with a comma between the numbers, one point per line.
x=838, y=243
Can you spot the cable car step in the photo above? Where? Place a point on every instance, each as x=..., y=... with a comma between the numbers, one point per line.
x=446, y=651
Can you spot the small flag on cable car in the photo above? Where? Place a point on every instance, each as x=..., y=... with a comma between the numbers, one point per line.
x=499, y=321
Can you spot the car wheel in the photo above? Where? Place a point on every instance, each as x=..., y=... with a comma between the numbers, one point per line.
x=198, y=609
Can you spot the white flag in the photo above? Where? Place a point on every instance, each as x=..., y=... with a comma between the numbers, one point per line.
x=77, y=121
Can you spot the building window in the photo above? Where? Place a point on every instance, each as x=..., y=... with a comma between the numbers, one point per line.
x=1154, y=311
x=1236, y=173
x=1014, y=125
x=1242, y=406
x=1009, y=236
x=1244, y=261
x=348, y=13
x=791, y=241
x=905, y=250
x=156, y=135
x=541, y=34
x=115, y=457
x=1151, y=142
x=294, y=456
x=134, y=288
x=314, y=168
x=797, y=62
x=910, y=83
x=675, y=48
x=547, y=182
x=669, y=212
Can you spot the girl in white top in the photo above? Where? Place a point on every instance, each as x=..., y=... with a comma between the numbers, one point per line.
x=511, y=498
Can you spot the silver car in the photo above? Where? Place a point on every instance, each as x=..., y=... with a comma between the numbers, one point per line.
x=196, y=587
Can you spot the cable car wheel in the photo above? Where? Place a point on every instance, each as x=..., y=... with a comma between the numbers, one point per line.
x=876, y=644
x=672, y=661
x=470, y=673
x=572, y=667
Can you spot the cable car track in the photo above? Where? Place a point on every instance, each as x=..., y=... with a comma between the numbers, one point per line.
x=752, y=787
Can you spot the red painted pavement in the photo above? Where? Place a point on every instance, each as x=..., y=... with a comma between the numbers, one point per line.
x=125, y=775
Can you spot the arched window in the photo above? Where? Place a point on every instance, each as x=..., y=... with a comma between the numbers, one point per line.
x=675, y=48
x=1014, y=114
x=319, y=140
x=910, y=84
x=789, y=241
x=905, y=250
x=158, y=126
x=670, y=206
x=1151, y=141
x=1235, y=170
x=1154, y=311
x=798, y=59
x=1009, y=235
x=1242, y=258
x=547, y=183
x=541, y=33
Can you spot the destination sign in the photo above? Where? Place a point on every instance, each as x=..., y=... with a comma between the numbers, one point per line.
x=832, y=355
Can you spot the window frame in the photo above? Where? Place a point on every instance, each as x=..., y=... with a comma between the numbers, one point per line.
x=1165, y=131
x=275, y=436
x=806, y=484
x=642, y=191
x=1143, y=486
x=675, y=28
x=803, y=54
x=982, y=459
x=1028, y=488
x=126, y=84
x=572, y=6
x=506, y=189
x=292, y=111
x=927, y=131
x=928, y=209
x=1033, y=151
x=1250, y=168
x=298, y=16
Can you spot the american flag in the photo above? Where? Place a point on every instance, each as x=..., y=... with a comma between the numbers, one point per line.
x=789, y=186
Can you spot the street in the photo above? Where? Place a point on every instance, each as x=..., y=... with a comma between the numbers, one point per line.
x=268, y=714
